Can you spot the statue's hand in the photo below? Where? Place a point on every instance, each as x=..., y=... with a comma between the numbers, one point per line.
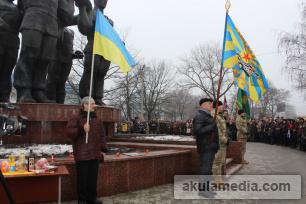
x=81, y=3
x=78, y=55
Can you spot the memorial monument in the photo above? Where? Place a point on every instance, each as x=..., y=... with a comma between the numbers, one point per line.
x=39, y=29
x=86, y=25
x=10, y=19
x=58, y=70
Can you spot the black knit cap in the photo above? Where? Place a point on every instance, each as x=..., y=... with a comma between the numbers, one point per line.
x=204, y=100
x=240, y=111
x=215, y=104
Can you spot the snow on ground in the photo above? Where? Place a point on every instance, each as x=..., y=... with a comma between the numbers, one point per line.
x=167, y=138
x=49, y=149
x=39, y=150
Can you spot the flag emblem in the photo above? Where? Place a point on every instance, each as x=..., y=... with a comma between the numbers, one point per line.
x=238, y=56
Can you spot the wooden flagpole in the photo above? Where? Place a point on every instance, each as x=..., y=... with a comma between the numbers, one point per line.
x=227, y=7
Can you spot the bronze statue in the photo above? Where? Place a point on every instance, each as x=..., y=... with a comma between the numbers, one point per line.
x=86, y=25
x=39, y=30
x=10, y=20
x=58, y=70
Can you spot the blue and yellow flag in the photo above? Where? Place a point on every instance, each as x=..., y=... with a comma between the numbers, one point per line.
x=108, y=44
x=237, y=55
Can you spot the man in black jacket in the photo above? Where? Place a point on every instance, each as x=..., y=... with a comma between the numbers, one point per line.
x=206, y=133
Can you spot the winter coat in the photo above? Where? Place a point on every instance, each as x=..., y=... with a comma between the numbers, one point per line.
x=206, y=132
x=96, y=137
x=242, y=128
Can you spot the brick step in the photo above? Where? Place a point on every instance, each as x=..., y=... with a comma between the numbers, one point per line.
x=232, y=169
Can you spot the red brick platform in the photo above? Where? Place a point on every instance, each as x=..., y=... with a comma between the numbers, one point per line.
x=130, y=173
x=47, y=122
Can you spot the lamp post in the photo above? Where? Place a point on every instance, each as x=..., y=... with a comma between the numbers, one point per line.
x=141, y=76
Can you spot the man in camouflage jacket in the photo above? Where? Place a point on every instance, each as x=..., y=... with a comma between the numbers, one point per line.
x=220, y=156
x=242, y=132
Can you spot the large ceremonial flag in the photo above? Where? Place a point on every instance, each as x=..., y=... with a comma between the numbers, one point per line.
x=243, y=102
x=237, y=55
x=108, y=44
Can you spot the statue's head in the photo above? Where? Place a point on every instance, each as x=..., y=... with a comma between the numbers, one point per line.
x=101, y=4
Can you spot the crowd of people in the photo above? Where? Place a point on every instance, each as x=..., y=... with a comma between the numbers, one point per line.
x=279, y=131
x=274, y=131
x=155, y=126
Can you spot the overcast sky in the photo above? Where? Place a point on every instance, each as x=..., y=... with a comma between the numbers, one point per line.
x=169, y=29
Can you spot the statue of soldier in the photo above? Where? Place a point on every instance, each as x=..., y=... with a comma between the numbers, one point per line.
x=242, y=132
x=220, y=156
x=10, y=19
x=86, y=25
x=58, y=70
x=39, y=31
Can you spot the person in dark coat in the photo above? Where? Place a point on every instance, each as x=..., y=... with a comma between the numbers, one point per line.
x=253, y=130
x=207, y=139
x=87, y=156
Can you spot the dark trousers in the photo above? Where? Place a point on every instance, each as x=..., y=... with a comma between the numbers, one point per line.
x=206, y=162
x=101, y=67
x=87, y=176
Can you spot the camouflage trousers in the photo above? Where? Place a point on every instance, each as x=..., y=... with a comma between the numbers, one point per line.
x=243, y=145
x=220, y=160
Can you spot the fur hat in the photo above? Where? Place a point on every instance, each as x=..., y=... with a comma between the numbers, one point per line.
x=204, y=100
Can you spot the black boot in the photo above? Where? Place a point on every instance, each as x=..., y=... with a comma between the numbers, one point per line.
x=97, y=201
x=40, y=97
x=60, y=97
x=82, y=202
x=99, y=102
x=24, y=96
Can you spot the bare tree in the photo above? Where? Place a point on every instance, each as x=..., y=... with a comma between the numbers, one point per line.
x=231, y=97
x=294, y=47
x=72, y=84
x=157, y=81
x=270, y=101
x=201, y=69
x=125, y=94
x=181, y=105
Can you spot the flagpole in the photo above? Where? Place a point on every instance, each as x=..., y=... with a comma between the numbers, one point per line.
x=90, y=91
x=227, y=7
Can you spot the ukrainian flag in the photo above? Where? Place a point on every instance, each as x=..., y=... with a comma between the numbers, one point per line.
x=237, y=55
x=108, y=44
